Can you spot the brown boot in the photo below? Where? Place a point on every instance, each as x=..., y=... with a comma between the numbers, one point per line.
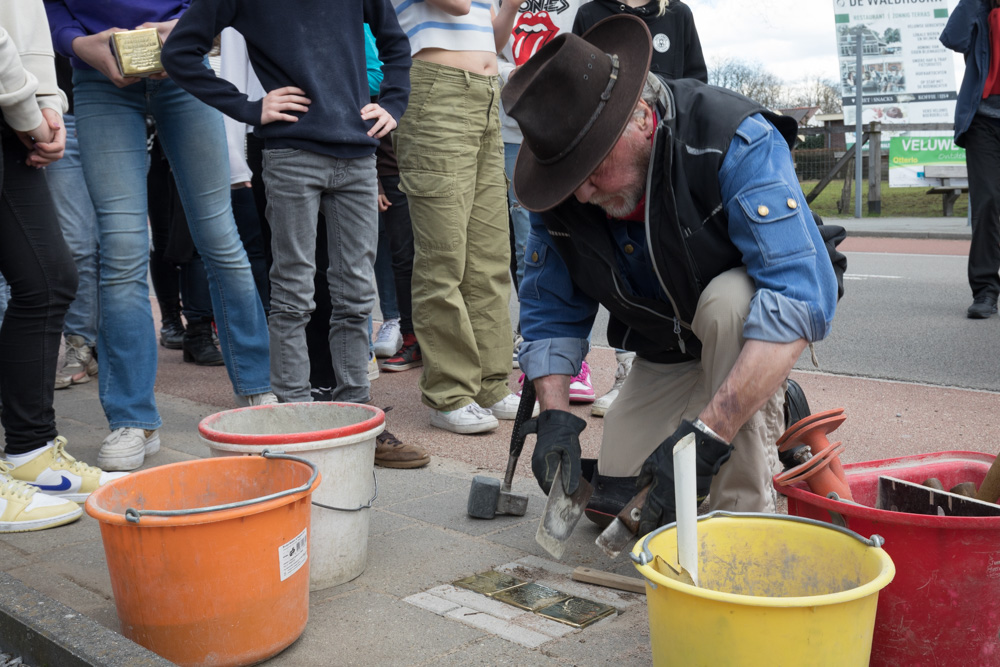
x=391, y=453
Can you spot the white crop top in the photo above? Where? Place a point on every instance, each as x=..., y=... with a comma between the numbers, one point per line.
x=429, y=27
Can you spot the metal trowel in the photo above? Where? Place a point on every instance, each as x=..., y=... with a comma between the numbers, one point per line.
x=562, y=513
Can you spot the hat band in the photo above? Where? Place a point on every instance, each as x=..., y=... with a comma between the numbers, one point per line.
x=605, y=96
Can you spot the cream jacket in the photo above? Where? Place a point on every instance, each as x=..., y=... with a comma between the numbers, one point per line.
x=27, y=65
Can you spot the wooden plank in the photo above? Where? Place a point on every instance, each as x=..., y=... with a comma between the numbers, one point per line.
x=897, y=495
x=610, y=580
x=946, y=171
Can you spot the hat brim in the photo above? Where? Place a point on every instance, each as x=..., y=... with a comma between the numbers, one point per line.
x=539, y=187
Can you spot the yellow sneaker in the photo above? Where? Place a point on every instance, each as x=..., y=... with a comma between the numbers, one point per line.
x=58, y=474
x=23, y=508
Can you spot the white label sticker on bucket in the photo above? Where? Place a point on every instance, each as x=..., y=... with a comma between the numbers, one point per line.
x=292, y=555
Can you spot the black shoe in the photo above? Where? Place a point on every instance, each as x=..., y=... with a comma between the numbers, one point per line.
x=611, y=495
x=172, y=331
x=322, y=394
x=198, y=346
x=982, y=307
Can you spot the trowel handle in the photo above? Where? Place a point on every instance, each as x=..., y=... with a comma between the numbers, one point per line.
x=524, y=409
x=631, y=513
x=989, y=490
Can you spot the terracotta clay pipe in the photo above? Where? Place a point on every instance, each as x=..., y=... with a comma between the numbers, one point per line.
x=822, y=471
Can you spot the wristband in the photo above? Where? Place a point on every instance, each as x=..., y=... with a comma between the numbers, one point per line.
x=701, y=426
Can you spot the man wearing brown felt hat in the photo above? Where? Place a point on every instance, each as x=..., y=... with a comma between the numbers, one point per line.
x=675, y=205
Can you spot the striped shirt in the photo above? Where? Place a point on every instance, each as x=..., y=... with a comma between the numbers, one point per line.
x=430, y=28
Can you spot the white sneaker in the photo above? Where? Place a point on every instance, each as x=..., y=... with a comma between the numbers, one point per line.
x=24, y=508
x=373, y=367
x=603, y=404
x=389, y=339
x=265, y=398
x=506, y=407
x=468, y=419
x=126, y=448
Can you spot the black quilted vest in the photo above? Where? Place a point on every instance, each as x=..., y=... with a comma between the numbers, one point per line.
x=686, y=225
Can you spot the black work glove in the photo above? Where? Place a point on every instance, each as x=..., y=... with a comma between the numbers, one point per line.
x=660, y=507
x=558, y=440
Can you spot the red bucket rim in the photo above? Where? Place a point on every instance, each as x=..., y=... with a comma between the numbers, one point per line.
x=205, y=427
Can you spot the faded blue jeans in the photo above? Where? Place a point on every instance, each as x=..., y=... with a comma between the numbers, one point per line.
x=299, y=184
x=518, y=215
x=111, y=124
x=78, y=222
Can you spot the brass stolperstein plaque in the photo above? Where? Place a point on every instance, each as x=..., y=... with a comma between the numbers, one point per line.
x=577, y=612
x=137, y=52
x=488, y=583
x=530, y=596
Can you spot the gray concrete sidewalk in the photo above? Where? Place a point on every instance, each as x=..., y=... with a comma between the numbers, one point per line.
x=914, y=228
x=401, y=611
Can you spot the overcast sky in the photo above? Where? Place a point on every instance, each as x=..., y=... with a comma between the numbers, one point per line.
x=793, y=39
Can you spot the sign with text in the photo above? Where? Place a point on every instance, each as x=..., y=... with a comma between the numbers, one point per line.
x=907, y=75
x=909, y=157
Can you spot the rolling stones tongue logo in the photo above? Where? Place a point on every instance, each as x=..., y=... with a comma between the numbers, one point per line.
x=531, y=32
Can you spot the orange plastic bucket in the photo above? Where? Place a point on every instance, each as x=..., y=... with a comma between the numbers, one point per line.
x=209, y=558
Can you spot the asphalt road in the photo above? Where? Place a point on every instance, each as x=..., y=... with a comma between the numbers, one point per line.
x=902, y=317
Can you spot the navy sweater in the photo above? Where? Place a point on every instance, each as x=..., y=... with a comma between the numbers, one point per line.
x=316, y=45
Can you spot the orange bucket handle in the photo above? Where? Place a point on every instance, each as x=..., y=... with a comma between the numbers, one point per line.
x=133, y=515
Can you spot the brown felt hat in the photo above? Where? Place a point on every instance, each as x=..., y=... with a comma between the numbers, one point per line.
x=572, y=101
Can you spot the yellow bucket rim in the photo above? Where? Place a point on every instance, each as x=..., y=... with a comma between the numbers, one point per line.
x=643, y=560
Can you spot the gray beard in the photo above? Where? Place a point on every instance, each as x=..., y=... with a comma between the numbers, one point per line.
x=619, y=205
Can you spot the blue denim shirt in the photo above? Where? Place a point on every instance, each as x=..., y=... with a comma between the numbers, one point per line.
x=782, y=249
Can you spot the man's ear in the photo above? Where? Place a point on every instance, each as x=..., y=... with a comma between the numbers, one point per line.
x=643, y=116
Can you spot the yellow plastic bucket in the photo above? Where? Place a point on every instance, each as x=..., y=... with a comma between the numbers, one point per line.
x=775, y=590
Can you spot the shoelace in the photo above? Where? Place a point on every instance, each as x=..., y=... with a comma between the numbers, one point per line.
x=387, y=438
x=74, y=466
x=73, y=353
x=387, y=332
x=478, y=410
x=13, y=487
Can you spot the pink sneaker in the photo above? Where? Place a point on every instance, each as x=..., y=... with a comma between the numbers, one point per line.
x=580, y=389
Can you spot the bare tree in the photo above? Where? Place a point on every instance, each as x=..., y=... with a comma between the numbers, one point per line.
x=815, y=92
x=749, y=78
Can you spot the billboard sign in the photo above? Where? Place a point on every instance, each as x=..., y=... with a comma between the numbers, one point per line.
x=907, y=75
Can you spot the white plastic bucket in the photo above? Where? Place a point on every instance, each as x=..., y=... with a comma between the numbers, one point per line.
x=339, y=438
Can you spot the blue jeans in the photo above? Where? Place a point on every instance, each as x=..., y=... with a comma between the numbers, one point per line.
x=111, y=124
x=4, y=297
x=299, y=184
x=78, y=222
x=519, y=216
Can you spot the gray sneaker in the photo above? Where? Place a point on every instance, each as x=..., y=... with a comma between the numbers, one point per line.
x=266, y=398
x=603, y=404
x=126, y=448
x=78, y=364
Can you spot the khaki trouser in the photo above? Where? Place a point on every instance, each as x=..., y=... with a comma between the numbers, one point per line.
x=452, y=171
x=656, y=397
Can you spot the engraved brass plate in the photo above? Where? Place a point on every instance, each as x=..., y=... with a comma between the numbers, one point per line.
x=577, y=612
x=530, y=596
x=488, y=583
x=137, y=52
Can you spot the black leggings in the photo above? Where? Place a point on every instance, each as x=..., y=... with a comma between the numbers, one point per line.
x=38, y=265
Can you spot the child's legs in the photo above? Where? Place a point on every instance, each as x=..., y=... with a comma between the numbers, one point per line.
x=294, y=187
x=399, y=229
x=437, y=163
x=486, y=285
x=350, y=207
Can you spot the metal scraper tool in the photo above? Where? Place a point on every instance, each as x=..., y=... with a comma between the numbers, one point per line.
x=562, y=513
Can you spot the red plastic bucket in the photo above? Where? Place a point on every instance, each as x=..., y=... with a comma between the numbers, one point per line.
x=943, y=608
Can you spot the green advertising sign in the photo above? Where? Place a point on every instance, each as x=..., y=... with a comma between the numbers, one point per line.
x=909, y=155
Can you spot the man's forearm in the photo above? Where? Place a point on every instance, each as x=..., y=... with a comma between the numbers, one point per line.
x=553, y=392
x=759, y=371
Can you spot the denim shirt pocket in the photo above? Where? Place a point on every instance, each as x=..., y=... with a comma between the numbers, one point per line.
x=535, y=251
x=777, y=221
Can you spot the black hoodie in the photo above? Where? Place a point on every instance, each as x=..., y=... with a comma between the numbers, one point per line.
x=676, y=47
